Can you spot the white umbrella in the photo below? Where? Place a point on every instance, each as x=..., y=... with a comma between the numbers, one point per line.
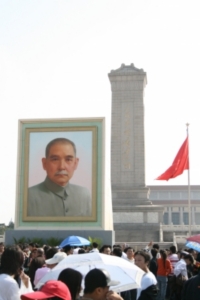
x=119, y=269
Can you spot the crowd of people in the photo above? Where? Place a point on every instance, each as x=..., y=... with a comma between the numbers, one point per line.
x=168, y=273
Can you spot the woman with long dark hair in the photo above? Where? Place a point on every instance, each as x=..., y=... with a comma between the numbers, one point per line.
x=35, y=264
x=164, y=269
x=72, y=279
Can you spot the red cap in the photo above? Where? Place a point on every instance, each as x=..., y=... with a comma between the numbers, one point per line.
x=52, y=288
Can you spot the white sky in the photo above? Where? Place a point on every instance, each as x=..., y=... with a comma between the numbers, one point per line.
x=54, y=61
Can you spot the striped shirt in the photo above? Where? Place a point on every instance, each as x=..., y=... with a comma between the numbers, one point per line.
x=173, y=258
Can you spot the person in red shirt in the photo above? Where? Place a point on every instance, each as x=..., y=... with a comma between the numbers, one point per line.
x=164, y=269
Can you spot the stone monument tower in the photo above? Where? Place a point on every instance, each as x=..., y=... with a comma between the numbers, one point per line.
x=132, y=211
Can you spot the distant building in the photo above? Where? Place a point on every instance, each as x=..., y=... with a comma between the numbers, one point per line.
x=174, y=198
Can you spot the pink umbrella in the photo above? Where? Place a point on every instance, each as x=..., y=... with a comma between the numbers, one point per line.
x=194, y=238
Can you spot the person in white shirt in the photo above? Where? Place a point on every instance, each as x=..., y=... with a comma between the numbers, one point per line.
x=11, y=264
x=94, y=247
x=181, y=267
x=180, y=271
x=148, y=288
x=130, y=255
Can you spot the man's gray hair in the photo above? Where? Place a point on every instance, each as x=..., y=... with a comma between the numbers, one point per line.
x=59, y=141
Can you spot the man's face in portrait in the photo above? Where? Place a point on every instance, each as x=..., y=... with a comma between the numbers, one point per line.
x=60, y=163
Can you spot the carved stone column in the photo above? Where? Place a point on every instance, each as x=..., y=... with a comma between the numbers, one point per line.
x=135, y=218
x=127, y=139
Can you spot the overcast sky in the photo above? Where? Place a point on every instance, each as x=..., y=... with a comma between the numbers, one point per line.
x=54, y=61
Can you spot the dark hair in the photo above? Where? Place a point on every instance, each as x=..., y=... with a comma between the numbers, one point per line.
x=32, y=244
x=46, y=248
x=12, y=260
x=183, y=254
x=146, y=256
x=59, y=141
x=154, y=252
x=67, y=248
x=156, y=246
x=117, y=251
x=104, y=247
x=35, y=264
x=72, y=279
x=40, y=252
x=96, y=278
x=163, y=254
x=172, y=249
x=129, y=248
x=117, y=246
x=50, y=252
x=81, y=251
x=190, y=250
x=25, y=246
x=1, y=244
x=95, y=245
x=190, y=258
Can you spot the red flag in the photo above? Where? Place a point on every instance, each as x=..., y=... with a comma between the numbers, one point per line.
x=180, y=163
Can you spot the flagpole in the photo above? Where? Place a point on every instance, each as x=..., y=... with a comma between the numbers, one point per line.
x=189, y=198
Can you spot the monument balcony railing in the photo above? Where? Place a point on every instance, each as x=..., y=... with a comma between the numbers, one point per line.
x=181, y=227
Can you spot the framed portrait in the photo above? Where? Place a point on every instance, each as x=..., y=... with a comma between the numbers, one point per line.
x=60, y=173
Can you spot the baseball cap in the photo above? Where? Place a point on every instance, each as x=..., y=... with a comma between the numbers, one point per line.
x=56, y=258
x=98, y=278
x=52, y=288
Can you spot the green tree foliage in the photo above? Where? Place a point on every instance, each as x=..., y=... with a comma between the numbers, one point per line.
x=95, y=240
x=53, y=242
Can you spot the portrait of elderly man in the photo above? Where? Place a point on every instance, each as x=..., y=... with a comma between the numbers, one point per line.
x=56, y=196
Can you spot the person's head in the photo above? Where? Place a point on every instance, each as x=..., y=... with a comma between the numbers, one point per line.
x=189, y=259
x=58, y=257
x=46, y=248
x=40, y=252
x=26, y=251
x=117, y=252
x=94, y=245
x=183, y=254
x=52, y=289
x=60, y=161
x=72, y=279
x=106, y=249
x=81, y=251
x=97, y=283
x=154, y=252
x=163, y=255
x=51, y=252
x=130, y=252
x=12, y=260
x=167, y=251
x=117, y=246
x=156, y=246
x=34, y=253
x=172, y=249
x=191, y=251
x=31, y=246
x=68, y=249
x=142, y=260
x=36, y=263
